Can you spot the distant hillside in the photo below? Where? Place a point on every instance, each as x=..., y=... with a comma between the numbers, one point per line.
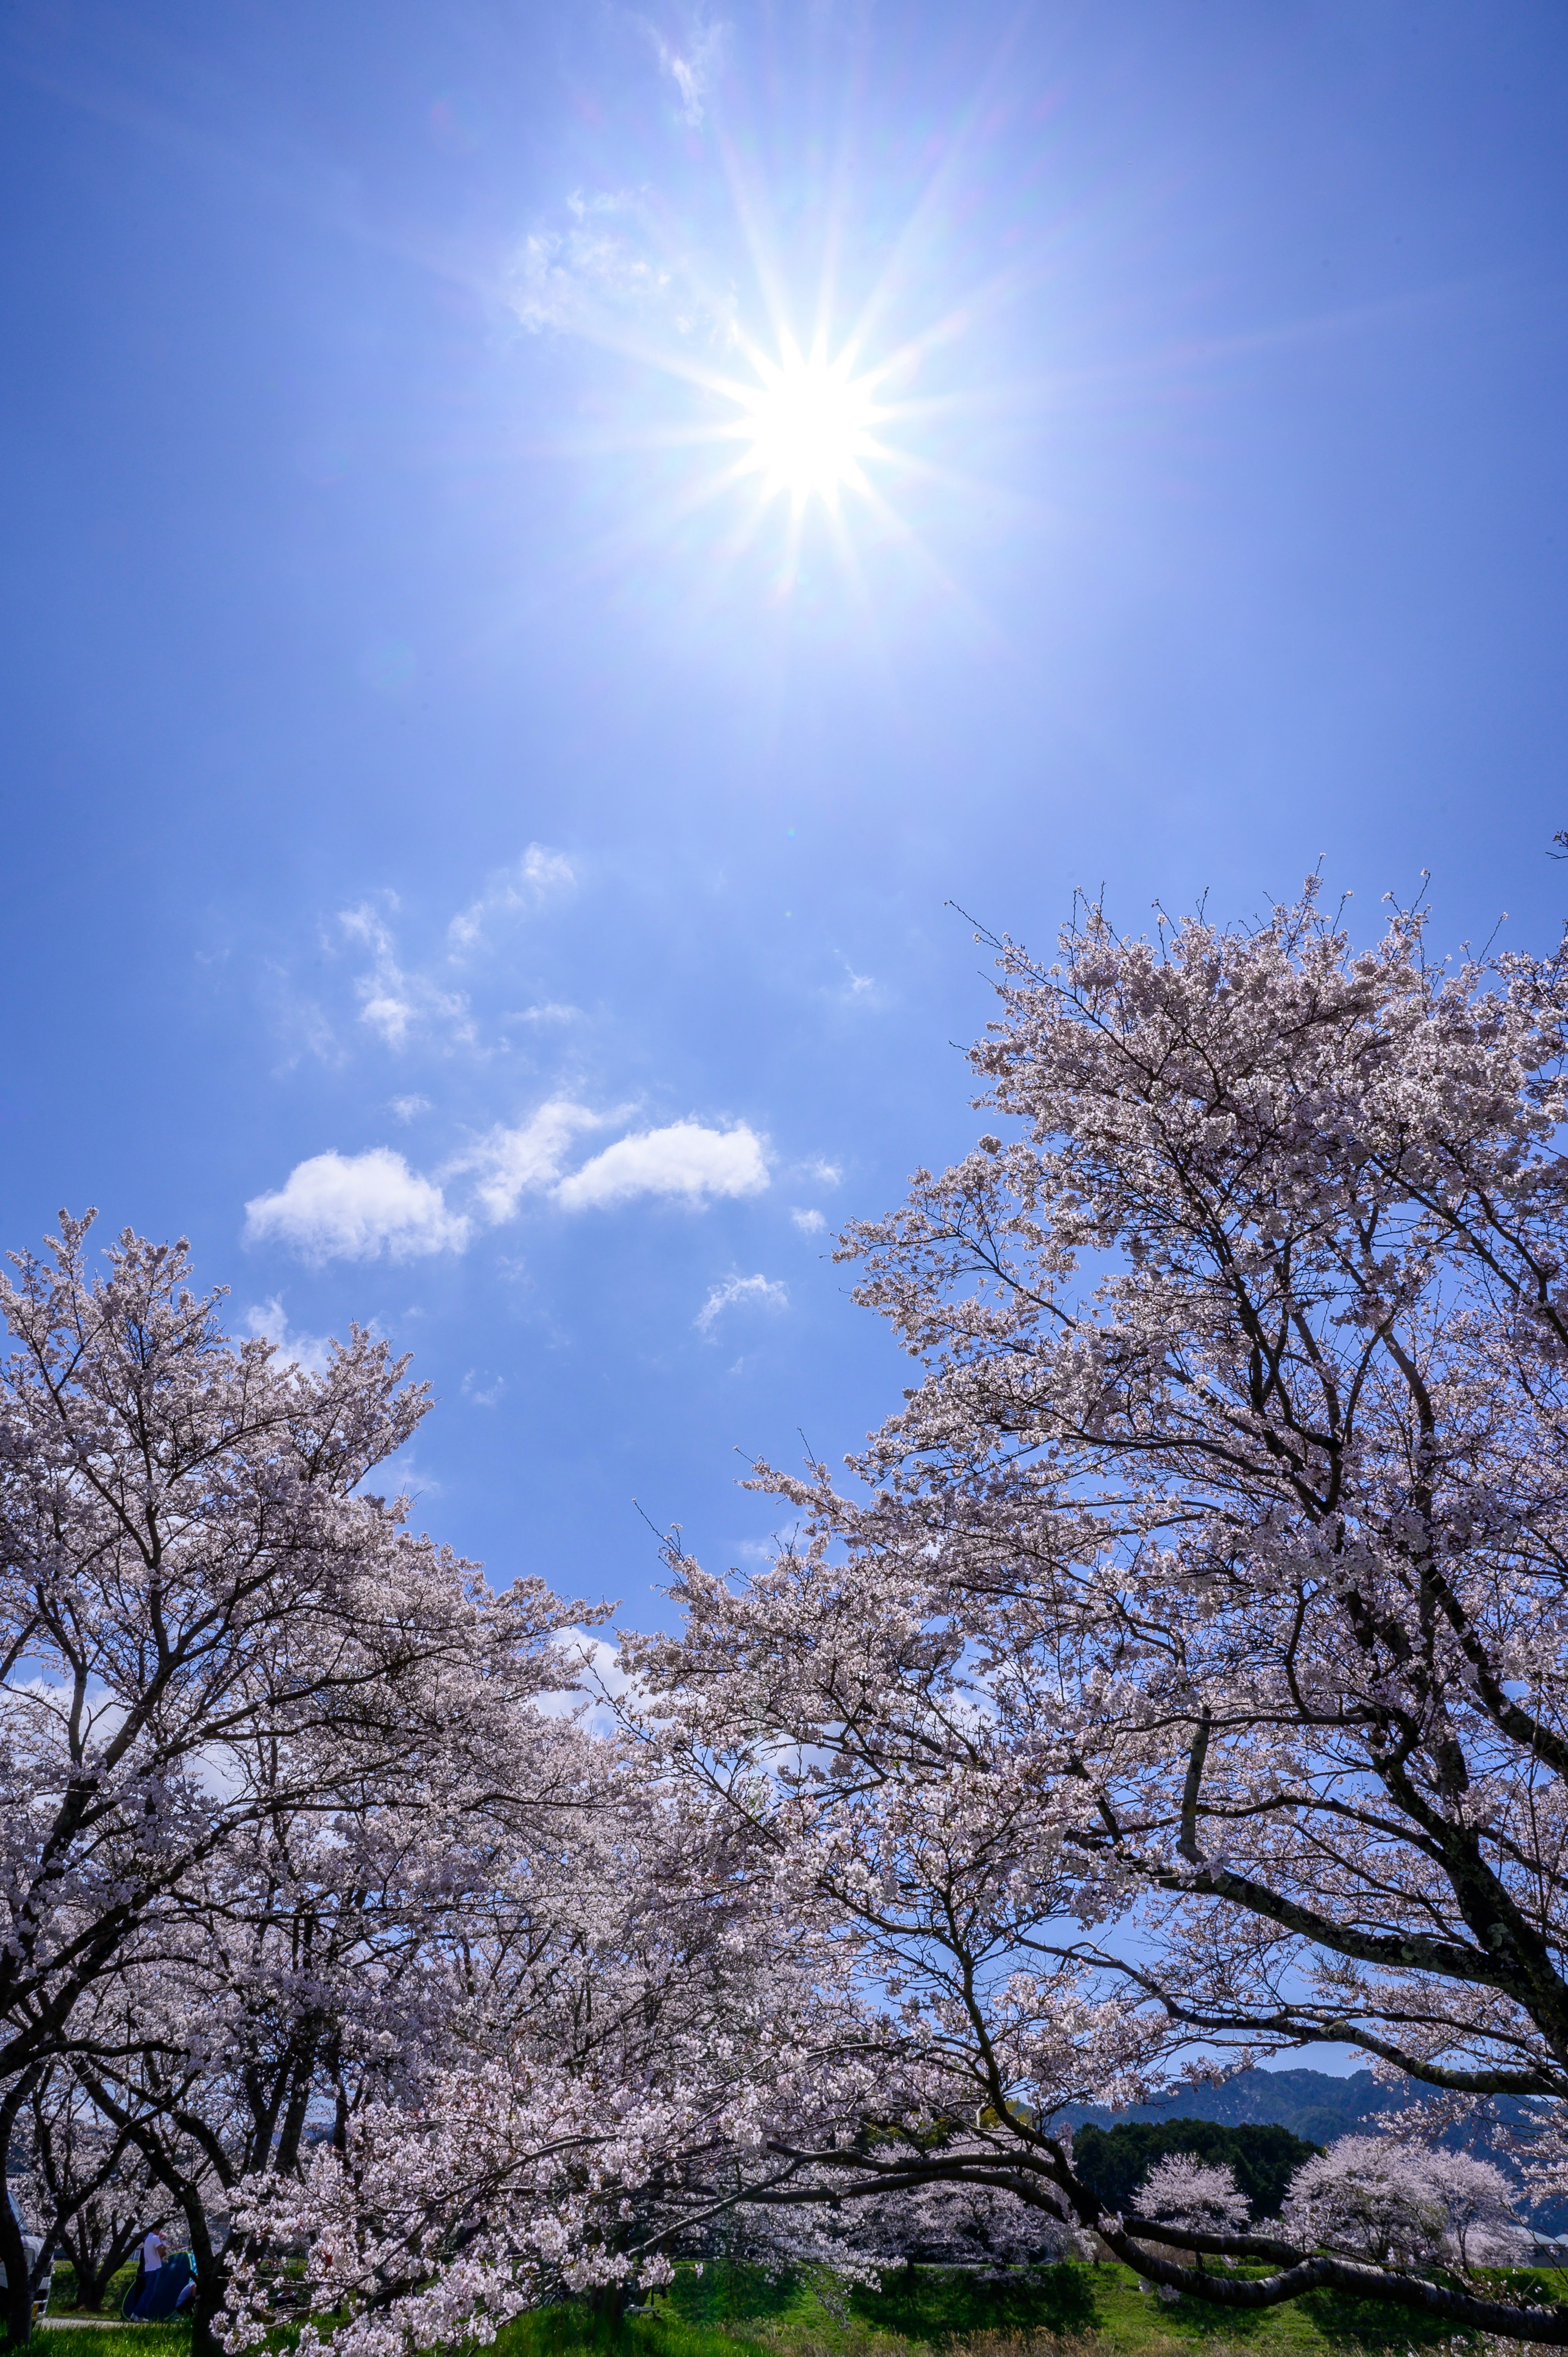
x=1309, y=2103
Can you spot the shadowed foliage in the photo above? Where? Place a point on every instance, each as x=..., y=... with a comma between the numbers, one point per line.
x=1264, y=2159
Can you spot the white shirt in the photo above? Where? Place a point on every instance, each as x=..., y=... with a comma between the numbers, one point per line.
x=154, y=2252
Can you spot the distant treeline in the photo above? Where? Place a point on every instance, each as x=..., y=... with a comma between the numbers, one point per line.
x=1114, y=2161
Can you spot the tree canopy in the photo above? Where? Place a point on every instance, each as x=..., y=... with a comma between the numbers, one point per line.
x=1178, y=1678
x=1183, y=1671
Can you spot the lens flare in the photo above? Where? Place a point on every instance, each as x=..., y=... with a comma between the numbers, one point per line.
x=803, y=426
x=808, y=425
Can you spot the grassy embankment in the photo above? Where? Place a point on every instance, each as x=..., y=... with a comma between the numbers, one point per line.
x=1067, y=2311
x=66, y=2338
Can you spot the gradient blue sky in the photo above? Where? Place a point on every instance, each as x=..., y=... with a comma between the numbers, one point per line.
x=407, y=729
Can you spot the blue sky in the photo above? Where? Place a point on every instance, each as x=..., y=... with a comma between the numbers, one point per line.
x=454, y=813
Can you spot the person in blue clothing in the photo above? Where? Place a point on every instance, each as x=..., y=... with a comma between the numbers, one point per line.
x=164, y=2284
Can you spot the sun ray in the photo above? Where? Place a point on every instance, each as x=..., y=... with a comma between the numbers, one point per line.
x=936, y=194
x=749, y=201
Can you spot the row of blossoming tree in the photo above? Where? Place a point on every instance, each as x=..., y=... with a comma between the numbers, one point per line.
x=1178, y=1679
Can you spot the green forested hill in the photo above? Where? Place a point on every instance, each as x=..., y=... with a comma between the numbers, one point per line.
x=1264, y=2158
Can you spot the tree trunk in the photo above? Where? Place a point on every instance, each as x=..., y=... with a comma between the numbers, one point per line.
x=91, y=2285
x=211, y=2278
x=205, y=2311
x=93, y=2256
x=607, y=2306
x=92, y=2278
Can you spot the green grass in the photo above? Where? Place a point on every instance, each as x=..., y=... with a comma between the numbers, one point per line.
x=62, y=2291
x=1073, y=2311
x=1066, y=2311
x=68, y=2340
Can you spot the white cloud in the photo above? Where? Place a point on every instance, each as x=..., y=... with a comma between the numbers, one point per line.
x=741, y=1292
x=401, y=1472
x=515, y=1162
x=810, y=1223
x=592, y=1666
x=559, y=275
x=292, y=1349
x=352, y=1205
x=388, y=1014
x=393, y=1002
x=487, y=1395
x=604, y=258
x=826, y=1174
x=406, y=1108
x=540, y=876
x=693, y=67
x=550, y=1010
x=683, y=1159
x=365, y=924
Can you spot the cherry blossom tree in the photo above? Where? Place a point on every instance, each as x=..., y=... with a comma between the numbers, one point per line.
x=633, y=2029
x=978, y=2226
x=1400, y=2203
x=1186, y=1675
x=1202, y=2195
x=91, y=2192
x=326, y=1968
x=205, y=1618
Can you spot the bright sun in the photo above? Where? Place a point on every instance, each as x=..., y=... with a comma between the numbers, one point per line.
x=808, y=424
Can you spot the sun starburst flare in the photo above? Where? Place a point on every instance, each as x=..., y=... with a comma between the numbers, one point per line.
x=807, y=423
x=798, y=439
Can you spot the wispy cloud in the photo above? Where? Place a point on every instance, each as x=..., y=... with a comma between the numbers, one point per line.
x=741, y=1292
x=539, y=877
x=693, y=64
x=402, y=1471
x=602, y=266
x=550, y=1011
x=597, y=254
x=394, y=1002
x=528, y=1160
x=408, y=1108
x=292, y=1349
x=482, y=1395
x=684, y=1159
x=354, y=1206
x=810, y=1223
x=303, y=1024
x=405, y=1002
